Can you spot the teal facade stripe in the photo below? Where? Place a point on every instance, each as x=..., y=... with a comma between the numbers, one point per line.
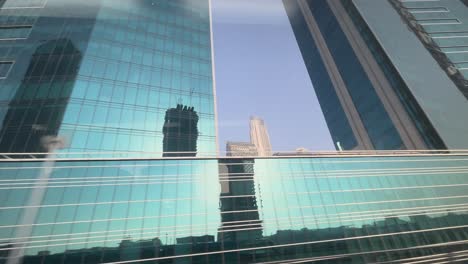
x=348, y=209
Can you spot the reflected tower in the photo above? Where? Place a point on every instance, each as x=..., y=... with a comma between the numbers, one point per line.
x=180, y=132
x=39, y=104
x=240, y=218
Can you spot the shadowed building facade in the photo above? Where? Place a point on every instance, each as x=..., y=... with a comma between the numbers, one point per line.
x=375, y=94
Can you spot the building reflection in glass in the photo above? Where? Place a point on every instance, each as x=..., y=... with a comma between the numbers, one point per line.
x=180, y=132
x=136, y=59
x=240, y=220
x=369, y=243
x=38, y=106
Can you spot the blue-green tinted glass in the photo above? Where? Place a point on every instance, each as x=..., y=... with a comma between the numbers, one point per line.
x=108, y=76
x=240, y=210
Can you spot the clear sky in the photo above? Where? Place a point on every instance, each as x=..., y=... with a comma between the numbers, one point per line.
x=260, y=71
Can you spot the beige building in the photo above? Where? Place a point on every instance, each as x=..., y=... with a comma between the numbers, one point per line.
x=241, y=149
x=259, y=136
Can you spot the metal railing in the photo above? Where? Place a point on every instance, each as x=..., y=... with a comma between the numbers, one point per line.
x=137, y=155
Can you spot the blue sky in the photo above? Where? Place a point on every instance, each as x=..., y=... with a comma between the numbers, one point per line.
x=260, y=71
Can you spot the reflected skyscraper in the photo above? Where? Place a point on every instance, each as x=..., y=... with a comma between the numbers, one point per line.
x=39, y=104
x=380, y=85
x=259, y=136
x=180, y=132
x=238, y=202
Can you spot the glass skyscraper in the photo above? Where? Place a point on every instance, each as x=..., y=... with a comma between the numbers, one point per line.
x=103, y=75
x=379, y=85
x=442, y=27
x=108, y=127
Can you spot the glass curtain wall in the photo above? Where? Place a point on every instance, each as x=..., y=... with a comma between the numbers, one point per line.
x=347, y=209
x=103, y=75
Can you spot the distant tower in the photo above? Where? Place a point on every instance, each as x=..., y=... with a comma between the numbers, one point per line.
x=180, y=132
x=259, y=136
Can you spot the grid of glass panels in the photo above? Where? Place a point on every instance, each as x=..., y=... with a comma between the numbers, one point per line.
x=128, y=63
x=345, y=209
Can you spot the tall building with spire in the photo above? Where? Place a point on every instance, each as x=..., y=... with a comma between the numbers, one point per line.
x=259, y=136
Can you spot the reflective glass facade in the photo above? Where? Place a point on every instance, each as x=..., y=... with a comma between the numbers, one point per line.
x=433, y=88
x=381, y=130
x=344, y=209
x=442, y=27
x=103, y=75
x=334, y=114
x=417, y=115
x=383, y=109
x=356, y=93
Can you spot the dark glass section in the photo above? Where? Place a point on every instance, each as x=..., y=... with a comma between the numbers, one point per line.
x=180, y=132
x=30, y=118
x=5, y=67
x=419, y=118
x=379, y=126
x=35, y=95
x=334, y=114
